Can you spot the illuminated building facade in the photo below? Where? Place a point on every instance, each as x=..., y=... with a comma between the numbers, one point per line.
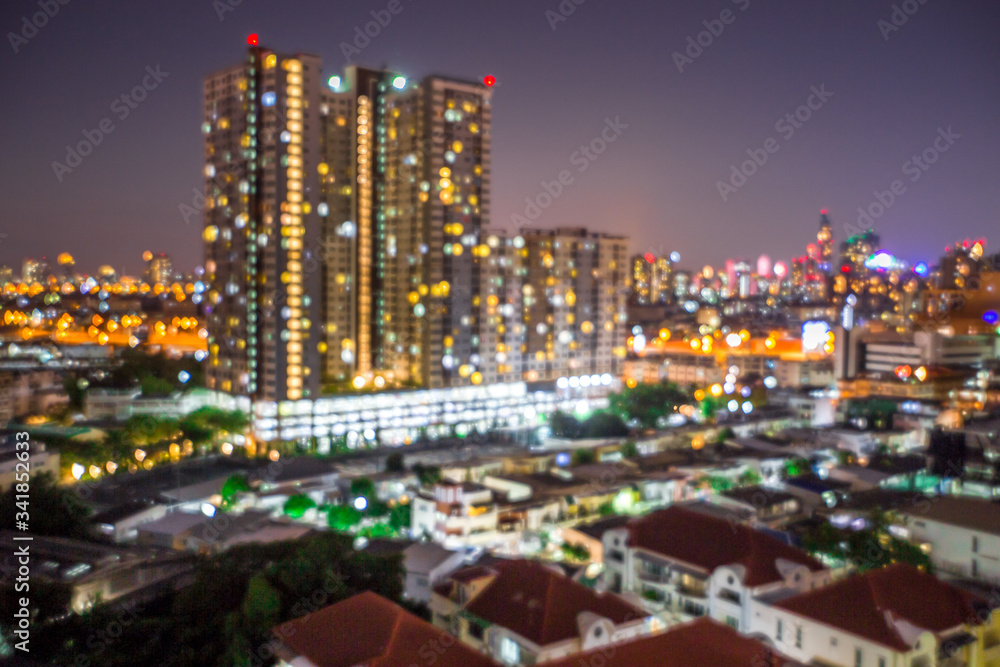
x=350, y=176
x=159, y=269
x=34, y=271
x=575, y=288
x=431, y=241
x=652, y=280
x=824, y=240
x=261, y=231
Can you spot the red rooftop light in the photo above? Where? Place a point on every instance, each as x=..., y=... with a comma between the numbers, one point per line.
x=649, y=257
x=252, y=39
x=490, y=80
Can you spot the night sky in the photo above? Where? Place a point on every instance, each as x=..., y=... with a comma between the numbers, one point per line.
x=892, y=92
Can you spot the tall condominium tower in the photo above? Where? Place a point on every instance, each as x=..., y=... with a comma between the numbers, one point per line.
x=346, y=241
x=262, y=236
x=351, y=138
x=433, y=206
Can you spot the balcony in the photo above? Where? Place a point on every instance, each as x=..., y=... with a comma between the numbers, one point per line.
x=729, y=596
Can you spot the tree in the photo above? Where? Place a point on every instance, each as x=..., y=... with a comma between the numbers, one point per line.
x=647, y=402
x=604, y=425
x=564, y=425
x=428, y=475
x=343, y=517
x=724, y=435
x=629, y=450
x=297, y=505
x=54, y=511
x=225, y=615
x=394, y=462
x=233, y=485
x=749, y=478
x=577, y=552
x=363, y=487
x=797, y=467
x=400, y=517
x=154, y=386
x=583, y=457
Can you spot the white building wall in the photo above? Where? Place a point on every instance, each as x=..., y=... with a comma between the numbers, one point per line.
x=958, y=550
x=806, y=640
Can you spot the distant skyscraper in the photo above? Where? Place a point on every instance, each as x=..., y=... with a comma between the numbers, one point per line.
x=159, y=269
x=824, y=240
x=34, y=270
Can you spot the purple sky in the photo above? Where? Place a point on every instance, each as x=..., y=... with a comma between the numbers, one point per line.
x=657, y=182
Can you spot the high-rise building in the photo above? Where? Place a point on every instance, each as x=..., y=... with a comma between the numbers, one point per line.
x=824, y=239
x=347, y=241
x=652, y=280
x=430, y=236
x=35, y=270
x=159, y=268
x=351, y=138
x=262, y=157
x=574, y=312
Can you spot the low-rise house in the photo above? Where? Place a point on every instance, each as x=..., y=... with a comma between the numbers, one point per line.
x=473, y=470
x=457, y=589
x=98, y=573
x=816, y=492
x=591, y=535
x=897, y=616
x=455, y=515
x=531, y=613
x=369, y=631
x=427, y=564
x=213, y=534
x=684, y=564
x=963, y=534
x=768, y=506
x=171, y=531
x=700, y=643
x=40, y=460
x=121, y=523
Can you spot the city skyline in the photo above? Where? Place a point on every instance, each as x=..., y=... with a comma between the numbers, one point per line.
x=134, y=179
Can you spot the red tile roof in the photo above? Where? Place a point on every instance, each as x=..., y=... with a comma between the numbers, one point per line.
x=710, y=542
x=701, y=643
x=863, y=604
x=542, y=605
x=371, y=631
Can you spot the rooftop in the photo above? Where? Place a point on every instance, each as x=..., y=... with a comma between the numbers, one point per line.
x=370, y=631
x=963, y=511
x=709, y=543
x=701, y=642
x=866, y=605
x=542, y=605
x=118, y=513
x=759, y=496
